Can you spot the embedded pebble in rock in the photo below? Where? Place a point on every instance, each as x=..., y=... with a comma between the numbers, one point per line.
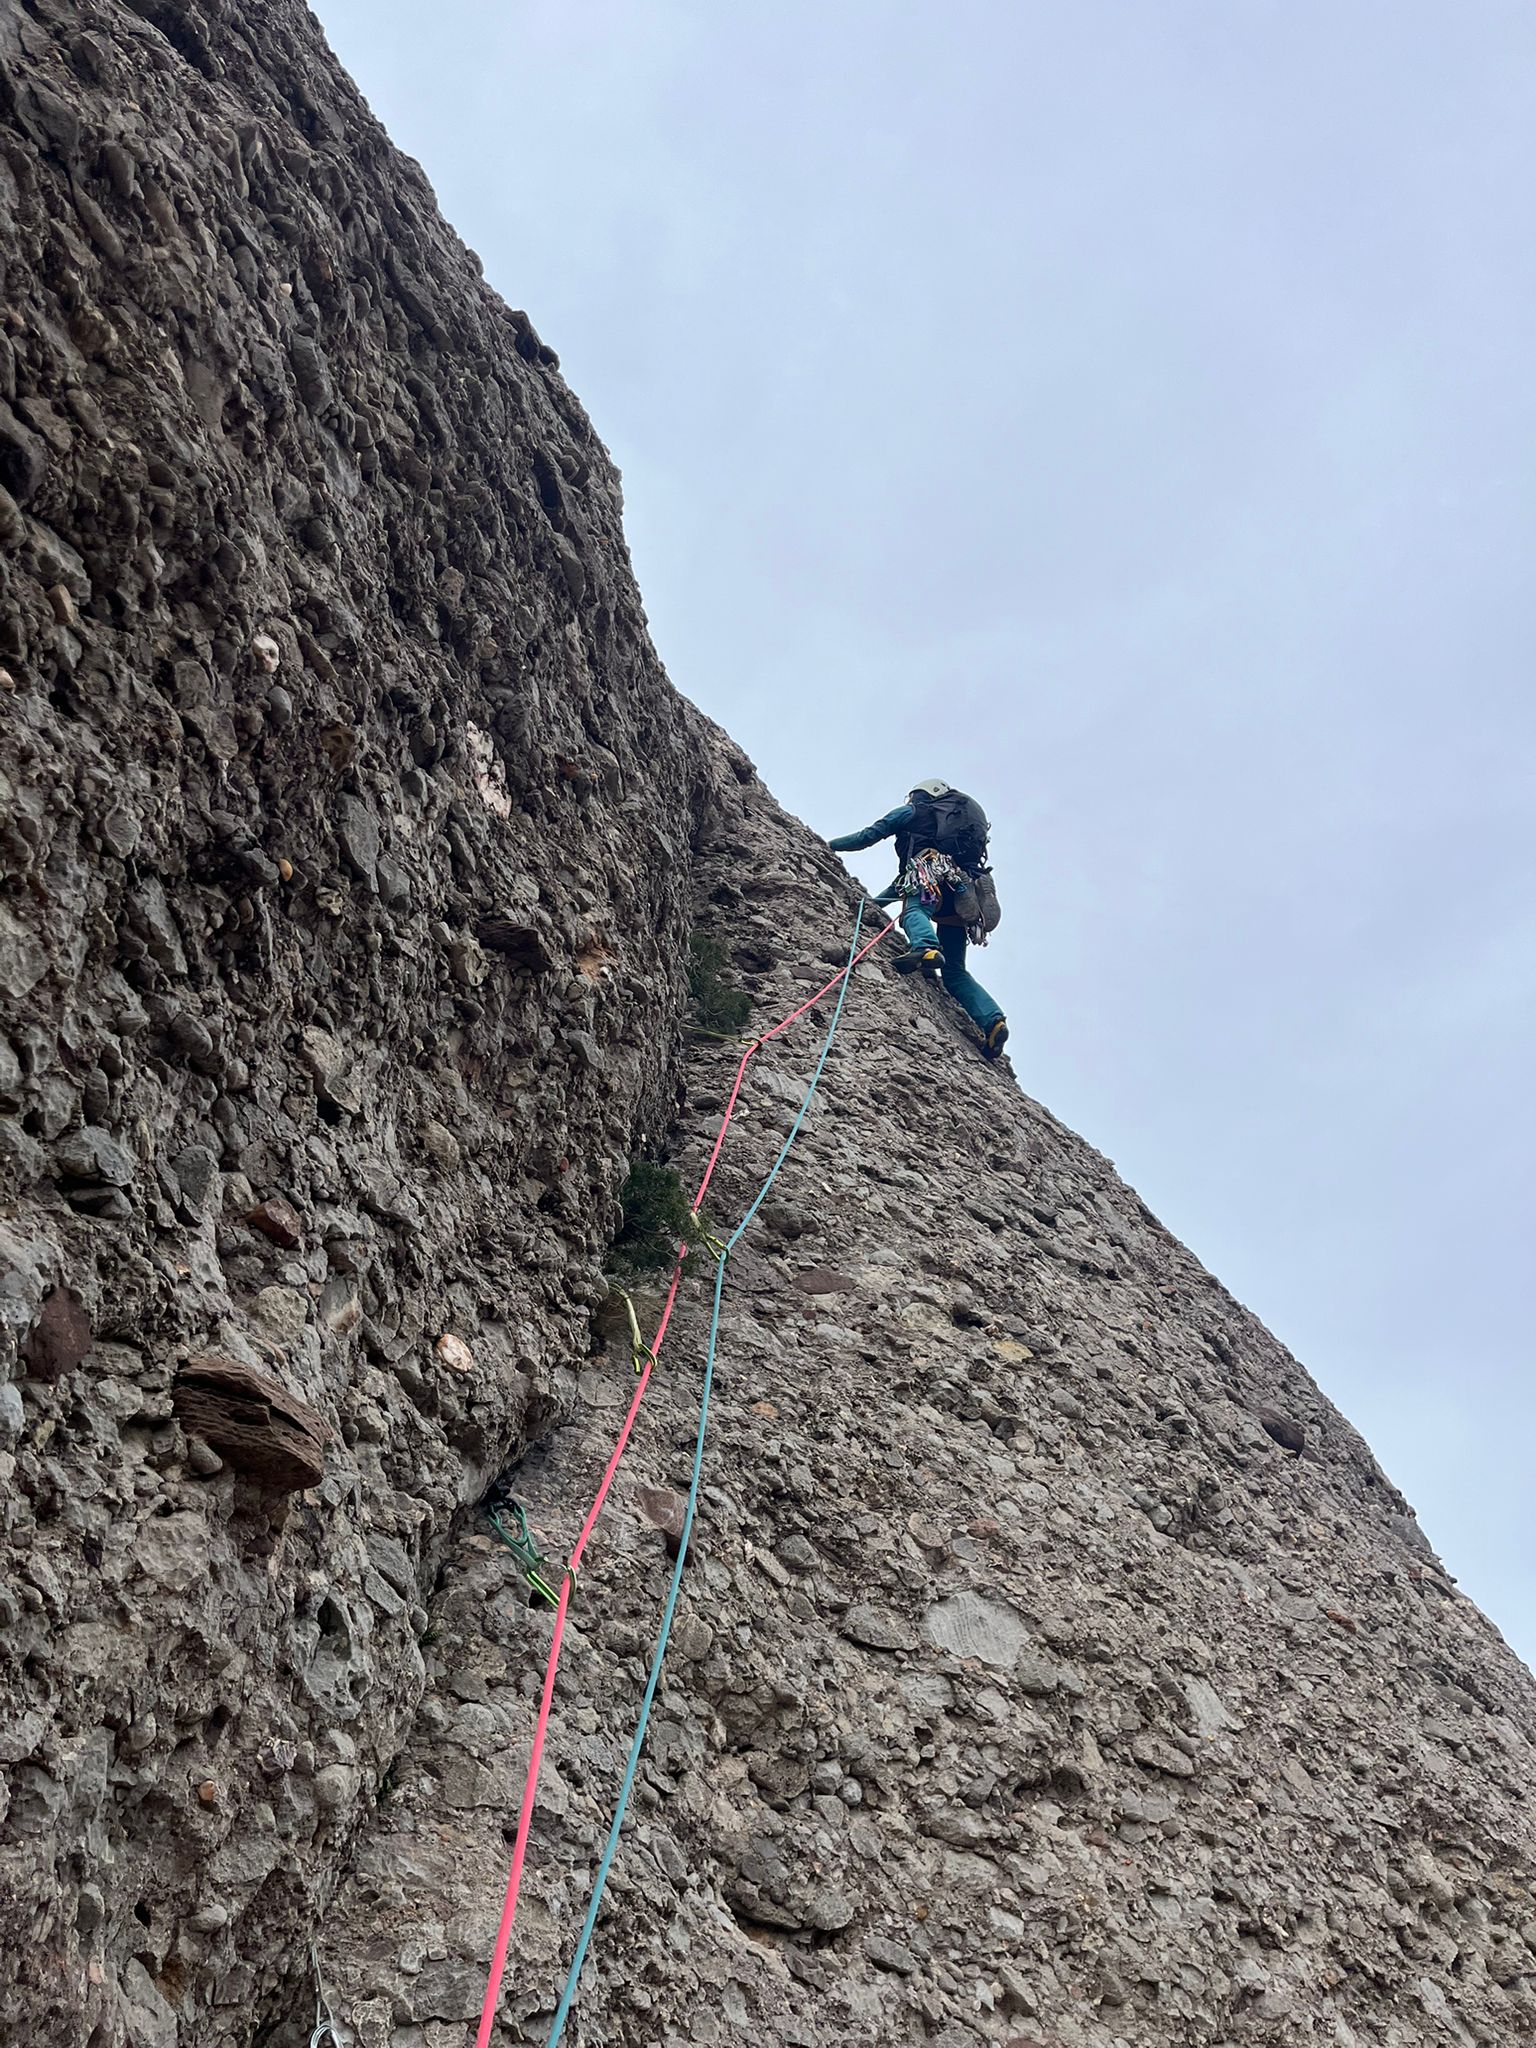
x=970, y=1626
x=442, y=1145
x=665, y=1511
x=1288, y=1433
x=875, y=1629
x=278, y=1220
x=60, y=1336
x=1053, y=1664
x=455, y=1353
x=93, y=1155
x=13, y=1414
x=820, y=1280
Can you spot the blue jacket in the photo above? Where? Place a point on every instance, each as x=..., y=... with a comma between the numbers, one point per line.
x=883, y=828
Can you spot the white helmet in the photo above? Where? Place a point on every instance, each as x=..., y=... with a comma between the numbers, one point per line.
x=932, y=787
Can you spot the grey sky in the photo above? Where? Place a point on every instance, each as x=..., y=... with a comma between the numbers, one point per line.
x=1125, y=411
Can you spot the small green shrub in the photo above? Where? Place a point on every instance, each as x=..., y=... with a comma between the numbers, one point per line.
x=717, y=1005
x=657, y=1220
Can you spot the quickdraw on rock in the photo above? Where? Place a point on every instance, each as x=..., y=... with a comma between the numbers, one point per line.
x=535, y=1566
x=706, y=1238
x=640, y=1352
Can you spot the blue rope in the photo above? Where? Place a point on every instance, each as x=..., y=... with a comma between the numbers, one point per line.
x=610, y=1847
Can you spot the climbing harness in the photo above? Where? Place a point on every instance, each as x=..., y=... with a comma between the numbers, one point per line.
x=926, y=877
x=522, y=1545
x=610, y=1847
x=922, y=879
x=546, y=1699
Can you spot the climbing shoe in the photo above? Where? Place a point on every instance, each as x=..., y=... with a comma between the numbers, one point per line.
x=924, y=960
x=995, y=1039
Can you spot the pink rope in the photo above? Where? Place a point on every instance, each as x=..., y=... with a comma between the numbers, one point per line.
x=757, y=1043
x=546, y=1697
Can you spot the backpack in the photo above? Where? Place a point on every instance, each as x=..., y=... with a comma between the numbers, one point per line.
x=953, y=823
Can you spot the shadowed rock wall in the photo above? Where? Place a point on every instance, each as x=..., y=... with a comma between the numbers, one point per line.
x=1056, y=1666
x=345, y=817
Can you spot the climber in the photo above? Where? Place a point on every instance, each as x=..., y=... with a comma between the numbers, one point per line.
x=947, y=893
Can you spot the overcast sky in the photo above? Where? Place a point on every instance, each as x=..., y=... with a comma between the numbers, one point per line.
x=1125, y=409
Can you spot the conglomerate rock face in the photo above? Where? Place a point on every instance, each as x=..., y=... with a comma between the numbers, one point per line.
x=1054, y=1665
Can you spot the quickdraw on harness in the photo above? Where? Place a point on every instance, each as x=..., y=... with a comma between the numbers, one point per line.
x=926, y=877
x=535, y=1567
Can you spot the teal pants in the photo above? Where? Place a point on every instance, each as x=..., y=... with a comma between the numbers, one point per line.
x=950, y=940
